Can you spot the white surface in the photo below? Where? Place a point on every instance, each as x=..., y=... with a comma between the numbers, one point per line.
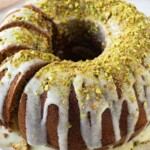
x=14, y=138
x=142, y=5
x=2, y=13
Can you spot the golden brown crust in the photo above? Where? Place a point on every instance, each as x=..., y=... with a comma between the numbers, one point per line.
x=24, y=25
x=51, y=125
x=11, y=101
x=142, y=118
x=123, y=124
x=10, y=50
x=22, y=116
x=124, y=119
x=52, y=122
x=14, y=94
x=75, y=140
x=108, y=136
x=37, y=10
x=1, y=76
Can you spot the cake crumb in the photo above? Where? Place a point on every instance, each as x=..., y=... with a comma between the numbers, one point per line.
x=5, y=135
x=10, y=130
x=20, y=146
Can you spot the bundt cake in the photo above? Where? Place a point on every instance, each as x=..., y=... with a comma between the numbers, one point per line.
x=75, y=74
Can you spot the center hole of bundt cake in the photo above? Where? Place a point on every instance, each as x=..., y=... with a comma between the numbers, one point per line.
x=78, y=40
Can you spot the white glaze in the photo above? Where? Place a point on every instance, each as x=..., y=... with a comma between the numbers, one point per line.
x=35, y=132
x=89, y=134
x=18, y=36
x=10, y=75
x=28, y=16
x=143, y=89
x=111, y=96
x=38, y=135
x=109, y=99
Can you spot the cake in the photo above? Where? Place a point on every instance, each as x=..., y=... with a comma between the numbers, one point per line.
x=75, y=73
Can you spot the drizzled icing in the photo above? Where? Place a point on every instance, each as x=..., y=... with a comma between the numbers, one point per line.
x=110, y=93
x=37, y=136
x=19, y=36
x=28, y=16
x=20, y=63
x=85, y=105
x=86, y=87
x=56, y=95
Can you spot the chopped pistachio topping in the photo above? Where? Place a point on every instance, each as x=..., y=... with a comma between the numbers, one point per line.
x=36, y=93
x=126, y=51
x=29, y=55
x=98, y=91
x=136, y=143
x=95, y=105
x=9, y=75
x=83, y=115
x=69, y=126
x=28, y=16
